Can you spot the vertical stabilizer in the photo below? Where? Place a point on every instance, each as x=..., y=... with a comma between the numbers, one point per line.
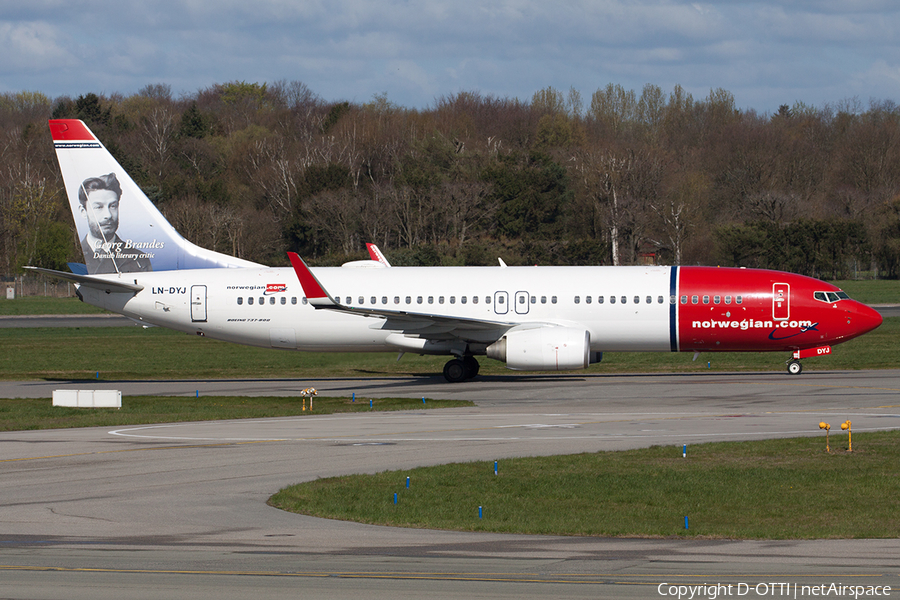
x=120, y=230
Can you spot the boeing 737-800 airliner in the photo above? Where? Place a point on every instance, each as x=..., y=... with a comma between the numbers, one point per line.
x=531, y=318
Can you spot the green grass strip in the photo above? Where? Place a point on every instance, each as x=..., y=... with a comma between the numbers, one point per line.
x=137, y=353
x=27, y=414
x=778, y=489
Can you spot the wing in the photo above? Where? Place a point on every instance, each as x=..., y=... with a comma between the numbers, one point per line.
x=430, y=326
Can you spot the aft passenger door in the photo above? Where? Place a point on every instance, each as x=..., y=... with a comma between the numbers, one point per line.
x=198, y=303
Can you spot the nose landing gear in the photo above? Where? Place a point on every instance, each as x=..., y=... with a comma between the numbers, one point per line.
x=794, y=367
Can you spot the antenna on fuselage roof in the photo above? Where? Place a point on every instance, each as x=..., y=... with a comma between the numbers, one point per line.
x=502, y=264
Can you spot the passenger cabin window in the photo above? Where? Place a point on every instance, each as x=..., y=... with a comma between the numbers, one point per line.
x=250, y=300
x=474, y=299
x=396, y=299
x=695, y=299
x=294, y=300
x=577, y=299
x=637, y=299
x=600, y=299
x=552, y=299
x=624, y=300
x=612, y=299
x=717, y=299
x=739, y=299
x=283, y=300
x=240, y=300
x=419, y=300
x=305, y=301
x=727, y=299
x=587, y=299
x=543, y=299
x=373, y=300
x=705, y=299
x=684, y=299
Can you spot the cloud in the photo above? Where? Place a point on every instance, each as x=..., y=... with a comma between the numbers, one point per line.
x=28, y=45
x=416, y=50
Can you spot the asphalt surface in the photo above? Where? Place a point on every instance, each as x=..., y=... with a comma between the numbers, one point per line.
x=177, y=510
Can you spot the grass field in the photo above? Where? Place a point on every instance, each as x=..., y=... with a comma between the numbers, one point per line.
x=21, y=414
x=40, y=305
x=778, y=489
x=872, y=291
x=134, y=352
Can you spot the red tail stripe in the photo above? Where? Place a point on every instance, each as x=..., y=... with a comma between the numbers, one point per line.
x=69, y=130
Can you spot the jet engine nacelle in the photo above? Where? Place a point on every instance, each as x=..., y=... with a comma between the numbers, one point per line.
x=543, y=349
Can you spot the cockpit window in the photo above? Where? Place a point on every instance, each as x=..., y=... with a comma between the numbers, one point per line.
x=831, y=296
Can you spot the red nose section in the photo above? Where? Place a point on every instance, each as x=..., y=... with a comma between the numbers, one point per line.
x=862, y=319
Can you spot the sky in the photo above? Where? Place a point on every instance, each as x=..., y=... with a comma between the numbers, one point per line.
x=765, y=52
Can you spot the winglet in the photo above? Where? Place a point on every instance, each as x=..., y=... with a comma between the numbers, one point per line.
x=315, y=293
x=376, y=255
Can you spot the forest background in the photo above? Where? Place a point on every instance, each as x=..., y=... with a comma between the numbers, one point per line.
x=622, y=177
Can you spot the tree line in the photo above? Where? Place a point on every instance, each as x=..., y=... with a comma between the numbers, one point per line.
x=622, y=177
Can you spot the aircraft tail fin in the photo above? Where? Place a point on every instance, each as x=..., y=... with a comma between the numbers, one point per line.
x=120, y=229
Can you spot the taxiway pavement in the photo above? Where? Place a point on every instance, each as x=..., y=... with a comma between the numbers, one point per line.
x=179, y=509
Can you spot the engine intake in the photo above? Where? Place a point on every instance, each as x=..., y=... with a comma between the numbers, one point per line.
x=543, y=349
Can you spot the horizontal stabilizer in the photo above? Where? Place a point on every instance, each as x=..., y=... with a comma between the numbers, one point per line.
x=110, y=286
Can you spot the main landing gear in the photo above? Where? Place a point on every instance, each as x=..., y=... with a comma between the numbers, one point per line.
x=457, y=370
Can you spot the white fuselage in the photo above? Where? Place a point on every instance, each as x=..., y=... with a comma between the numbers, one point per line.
x=266, y=306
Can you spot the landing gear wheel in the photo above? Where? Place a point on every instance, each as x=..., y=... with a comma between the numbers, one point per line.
x=472, y=366
x=794, y=367
x=455, y=371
